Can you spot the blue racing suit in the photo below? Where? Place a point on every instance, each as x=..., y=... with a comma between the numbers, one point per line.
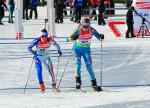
x=41, y=55
x=81, y=48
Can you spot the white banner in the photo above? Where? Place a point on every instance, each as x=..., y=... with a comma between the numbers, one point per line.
x=143, y=10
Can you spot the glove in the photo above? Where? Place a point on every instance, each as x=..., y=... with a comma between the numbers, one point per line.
x=34, y=52
x=69, y=39
x=60, y=53
x=102, y=36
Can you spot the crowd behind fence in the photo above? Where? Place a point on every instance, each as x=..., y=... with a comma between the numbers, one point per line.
x=86, y=11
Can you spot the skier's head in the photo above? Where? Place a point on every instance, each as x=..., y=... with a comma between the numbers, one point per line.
x=85, y=22
x=132, y=8
x=44, y=33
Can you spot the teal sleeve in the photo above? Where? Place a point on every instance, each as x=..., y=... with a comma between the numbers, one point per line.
x=96, y=34
x=73, y=36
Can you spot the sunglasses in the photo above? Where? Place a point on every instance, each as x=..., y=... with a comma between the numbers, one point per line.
x=43, y=36
x=85, y=25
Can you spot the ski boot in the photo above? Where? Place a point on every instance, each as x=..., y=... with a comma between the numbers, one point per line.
x=78, y=82
x=95, y=87
x=54, y=88
x=42, y=87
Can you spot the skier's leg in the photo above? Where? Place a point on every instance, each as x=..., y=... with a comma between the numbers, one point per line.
x=78, y=66
x=94, y=86
x=38, y=66
x=54, y=88
x=88, y=62
x=77, y=56
x=78, y=72
x=39, y=73
x=49, y=66
x=78, y=82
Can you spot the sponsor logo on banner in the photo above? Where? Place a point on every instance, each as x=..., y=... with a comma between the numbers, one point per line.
x=143, y=5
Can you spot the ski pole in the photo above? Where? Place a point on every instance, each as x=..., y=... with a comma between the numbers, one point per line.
x=28, y=76
x=101, y=68
x=57, y=68
x=63, y=72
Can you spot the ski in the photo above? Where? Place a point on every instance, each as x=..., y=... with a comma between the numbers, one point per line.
x=81, y=90
x=87, y=91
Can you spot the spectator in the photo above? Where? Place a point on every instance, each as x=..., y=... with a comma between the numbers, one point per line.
x=129, y=3
x=71, y=9
x=85, y=10
x=107, y=5
x=101, y=9
x=25, y=9
x=43, y=2
x=33, y=7
x=59, y=6
x=11, y=7
x=112, y=5
x=93, y=5
x=65, y=7
x=2, y=10
x=130, y=22
x=78, y=6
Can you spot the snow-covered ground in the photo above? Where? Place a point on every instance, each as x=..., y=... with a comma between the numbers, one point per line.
x=125, y=69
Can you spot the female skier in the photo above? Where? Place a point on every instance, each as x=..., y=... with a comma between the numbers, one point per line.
x=41, y=55
x=82, y=37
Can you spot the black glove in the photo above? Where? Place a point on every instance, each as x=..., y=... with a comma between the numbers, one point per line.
x=60, y=53
x=34, y=52
x=102, y=36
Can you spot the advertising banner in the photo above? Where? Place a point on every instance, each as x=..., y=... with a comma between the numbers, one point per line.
x=141, y=17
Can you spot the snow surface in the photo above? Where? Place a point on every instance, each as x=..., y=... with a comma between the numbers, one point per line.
x=126, y=74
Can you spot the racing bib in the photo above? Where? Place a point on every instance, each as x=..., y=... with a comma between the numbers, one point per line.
x=43, y=48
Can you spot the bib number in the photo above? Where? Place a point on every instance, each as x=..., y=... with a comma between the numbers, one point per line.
x=83, y=42
x=42, y=50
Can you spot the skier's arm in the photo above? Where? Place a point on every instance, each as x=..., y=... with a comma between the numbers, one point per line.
x=97, y=35
x=73, y=36
x=53, y=42
x=34, y=43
